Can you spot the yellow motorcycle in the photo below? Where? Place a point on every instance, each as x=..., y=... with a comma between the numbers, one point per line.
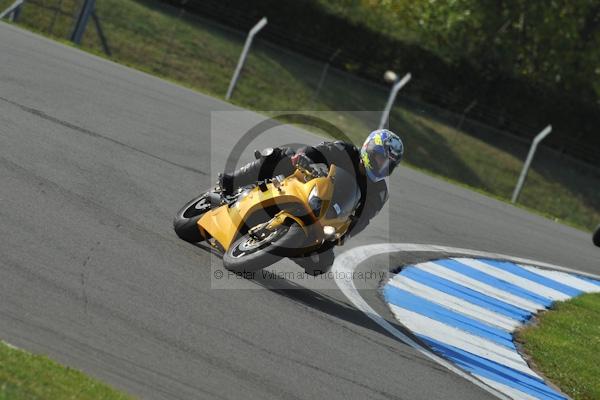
x=301, y=216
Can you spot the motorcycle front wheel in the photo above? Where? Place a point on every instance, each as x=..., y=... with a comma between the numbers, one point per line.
x=185, y=223
x=596, y=237
x=248, y=254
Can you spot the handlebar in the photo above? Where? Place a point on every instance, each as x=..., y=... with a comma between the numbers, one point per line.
x=307, y=166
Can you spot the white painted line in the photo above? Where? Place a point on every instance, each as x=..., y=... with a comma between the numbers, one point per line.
x=512, y=392
x=454, y=303
x=565, y=279
x=519, y=281
x=422, y=325
x=479, y=286
x=10, y=346
x=343, y=270
x=434, y=248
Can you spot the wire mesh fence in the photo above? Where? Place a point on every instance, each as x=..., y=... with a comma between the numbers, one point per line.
x=170, y=42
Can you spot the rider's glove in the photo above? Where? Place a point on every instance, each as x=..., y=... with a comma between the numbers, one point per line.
x=301, y=160
x=295, y=159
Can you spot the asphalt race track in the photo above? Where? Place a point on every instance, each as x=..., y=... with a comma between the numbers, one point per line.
x=95, y=159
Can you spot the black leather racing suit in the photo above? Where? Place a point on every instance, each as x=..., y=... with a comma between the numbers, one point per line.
x=343, y=155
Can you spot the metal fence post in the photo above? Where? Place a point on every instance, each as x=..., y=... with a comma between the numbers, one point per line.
x=14, y=16
x=100, y=33
x=540, y=136
x=84, y=15
x=385, y=115
x=323, y=75
x=255, y=29
x=13, y=10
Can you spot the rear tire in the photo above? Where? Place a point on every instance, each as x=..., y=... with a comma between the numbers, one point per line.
x=596, y=237
x=185, y=223
x=247, y=255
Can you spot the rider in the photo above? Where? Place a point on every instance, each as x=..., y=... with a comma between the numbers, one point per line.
x=379, y=155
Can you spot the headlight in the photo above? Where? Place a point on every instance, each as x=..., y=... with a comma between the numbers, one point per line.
x=314, y=201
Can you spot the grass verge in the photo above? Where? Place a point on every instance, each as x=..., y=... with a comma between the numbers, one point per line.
x=159, y=39
x=565, y=346
x=29, y=377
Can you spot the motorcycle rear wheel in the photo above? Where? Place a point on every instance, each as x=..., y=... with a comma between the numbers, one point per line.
x=596, y=237
x=247, y=254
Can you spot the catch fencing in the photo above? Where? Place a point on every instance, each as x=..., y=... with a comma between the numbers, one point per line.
x=465, y=147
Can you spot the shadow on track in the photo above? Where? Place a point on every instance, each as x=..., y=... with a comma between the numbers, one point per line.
x=326, y=304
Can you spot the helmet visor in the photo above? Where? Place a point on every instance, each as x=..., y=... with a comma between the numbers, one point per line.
x=380, y=165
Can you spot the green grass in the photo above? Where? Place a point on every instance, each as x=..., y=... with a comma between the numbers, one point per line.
x=30, y=377
x=158, y=39
x=565, y=346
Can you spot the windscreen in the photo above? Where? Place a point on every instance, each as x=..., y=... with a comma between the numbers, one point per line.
x=346, y=195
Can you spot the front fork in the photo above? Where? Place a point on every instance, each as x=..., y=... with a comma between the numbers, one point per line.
x=283, y=217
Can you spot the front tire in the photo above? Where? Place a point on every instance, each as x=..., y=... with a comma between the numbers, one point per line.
x=185, y=223
x=248, y=255
x=596, y=237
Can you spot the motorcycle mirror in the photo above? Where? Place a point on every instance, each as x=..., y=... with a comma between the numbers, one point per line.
x=264, y=153
x=214, y=199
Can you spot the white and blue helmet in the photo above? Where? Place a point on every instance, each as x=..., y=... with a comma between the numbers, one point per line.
x=381, y=153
